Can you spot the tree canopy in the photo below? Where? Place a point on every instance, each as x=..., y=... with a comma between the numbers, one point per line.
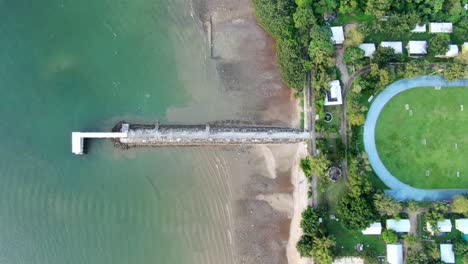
x=356, y=213
x=321, y=47
x=353, y=54
x=439, y=44
x=310, y=221
x=386, y=205
x=389, y=236
x=460, y=205
x=455, y=71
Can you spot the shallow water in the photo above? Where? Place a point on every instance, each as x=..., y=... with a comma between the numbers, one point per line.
x=82, y=66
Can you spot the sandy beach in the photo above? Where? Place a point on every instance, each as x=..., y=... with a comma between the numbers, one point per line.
x=269, y=190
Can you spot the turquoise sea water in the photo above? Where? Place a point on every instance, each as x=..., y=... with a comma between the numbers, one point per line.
x=81, y=66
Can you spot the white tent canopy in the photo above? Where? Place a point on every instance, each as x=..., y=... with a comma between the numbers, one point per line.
x=419, y=29
x=395, y=254
x=443, y=226
x=399, y=226
x=337, y=35
x=462, y=225
x=396, y=45
x=373, y=229
x=368, y=48
x=446, y=253
x=417, y=47
x=333, y=96
x=440, y=27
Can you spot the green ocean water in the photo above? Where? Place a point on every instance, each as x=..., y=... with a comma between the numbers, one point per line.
x=82, y=66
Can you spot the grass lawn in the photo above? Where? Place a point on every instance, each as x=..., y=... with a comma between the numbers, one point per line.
x=433, y=140
x=346, y=241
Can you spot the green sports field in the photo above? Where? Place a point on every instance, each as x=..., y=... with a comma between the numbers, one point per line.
x=422, y=137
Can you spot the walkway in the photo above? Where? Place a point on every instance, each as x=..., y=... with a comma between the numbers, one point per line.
x=400, y=190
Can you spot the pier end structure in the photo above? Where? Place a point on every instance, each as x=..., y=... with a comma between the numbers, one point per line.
x=79, y=137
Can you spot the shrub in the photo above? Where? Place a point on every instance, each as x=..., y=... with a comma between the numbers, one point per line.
x=390, y=236
x=439, y=44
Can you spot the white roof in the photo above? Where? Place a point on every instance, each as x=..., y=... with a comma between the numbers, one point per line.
x=443, y=226
x=394, y=254
x=441, y=27
x=417, y=47
x=396, y=45
x=337, y=35
x=446, y=253
x=333, y=96
x=368, y=48
x=419, y=29
x=462, y=225
x=373, y=229
x=466, y=6
x=399, y=226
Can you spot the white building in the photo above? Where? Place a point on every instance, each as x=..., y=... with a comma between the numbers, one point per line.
x=399, y=226
x=373, y=229
x=452, y=52
x=417, y=47
x=440, y=27
x=446, y=253
x=368, y=48
x=442, y=226
x=333, y=96
x=396, y=45
x=395, y=254
x=337, y=35
x=462, y=225
x=419, y=29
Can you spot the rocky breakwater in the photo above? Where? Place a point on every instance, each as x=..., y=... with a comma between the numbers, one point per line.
x=198, y=135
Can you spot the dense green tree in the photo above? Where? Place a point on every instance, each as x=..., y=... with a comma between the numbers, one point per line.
x=413, y=69
x=276, y=17
x=439, y=44
x=359, y=184
x=460, y=247
x=413, y=206
x=305, y=246
x=303, y=3
x=416, y=256
x=435, y=214
x=325, y=6
x=347, y=6
x=460, y=204
x=306, y=166
x=432, y=251
x=384, y=78
x=320, y=165
x=322, y=251
x=386, y=205
x=460, y=31
x=356, y=213
x=353, y=54
x=383, y=55
x=321, y=47
x=304, y=17
x=410, y=240
x=389, y=236
x=310, y=222
x=321, y=81
x=455, y=71
x=462, y=58
x=291, y=63
x=378, y=8
x=354, y=37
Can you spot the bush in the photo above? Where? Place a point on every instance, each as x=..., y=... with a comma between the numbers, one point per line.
x=290, y=62
x=455, y=71
x=383, y=55
x=276, y=17
x=310, y=222
x=390, y=236
x=439, y=44
x=356, y=213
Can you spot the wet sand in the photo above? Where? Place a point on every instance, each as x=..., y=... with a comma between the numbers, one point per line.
x=269, y=192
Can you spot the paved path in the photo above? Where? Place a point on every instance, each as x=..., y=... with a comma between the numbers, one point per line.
x=400, y=190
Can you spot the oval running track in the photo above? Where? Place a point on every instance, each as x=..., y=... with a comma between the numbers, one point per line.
x=399, y=190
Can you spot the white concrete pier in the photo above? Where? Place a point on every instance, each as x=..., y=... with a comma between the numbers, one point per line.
x=79, y=137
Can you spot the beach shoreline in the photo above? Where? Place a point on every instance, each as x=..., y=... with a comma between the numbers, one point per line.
x=271, y=191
